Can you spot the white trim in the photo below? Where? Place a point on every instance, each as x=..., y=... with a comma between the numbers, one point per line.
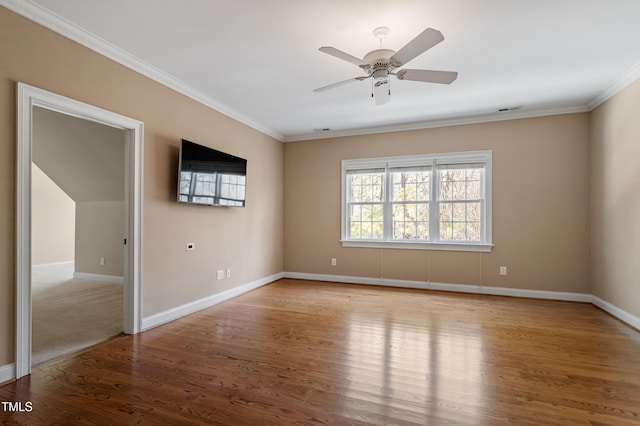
x=413, y=245
x=52, y=265
x=58, y=24
x=625, y=80
x=445, y=122
x=621, y=314
x=28, y=97
x=191, y=307
x=133, y=211
x=7, y=372
x=46, y=18
x=23, y=233
x=113, y=279
x=458, y=288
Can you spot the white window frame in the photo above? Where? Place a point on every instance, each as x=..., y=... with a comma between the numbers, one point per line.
x=433, y=160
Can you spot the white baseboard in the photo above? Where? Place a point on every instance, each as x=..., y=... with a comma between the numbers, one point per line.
x=113, y=279
x=7, y=372
x=189, y=308
x=460, y=288
x=621, y=314
x=52, y=265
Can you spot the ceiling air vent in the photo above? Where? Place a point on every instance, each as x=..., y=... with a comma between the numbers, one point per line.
x=515, y=108
x=326, y=129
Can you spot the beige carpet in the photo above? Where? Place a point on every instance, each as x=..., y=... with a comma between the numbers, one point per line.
x=71, y=314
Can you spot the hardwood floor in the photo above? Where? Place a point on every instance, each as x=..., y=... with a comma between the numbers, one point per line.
x=301, y=352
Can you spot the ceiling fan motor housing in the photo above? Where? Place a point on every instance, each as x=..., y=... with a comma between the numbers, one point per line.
x=381, y=63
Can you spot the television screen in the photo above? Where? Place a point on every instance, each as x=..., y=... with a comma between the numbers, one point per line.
x=210, y=177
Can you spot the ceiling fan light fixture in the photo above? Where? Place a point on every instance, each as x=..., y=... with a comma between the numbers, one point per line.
x=380, y=74
x=379, y=64
x=381, y=91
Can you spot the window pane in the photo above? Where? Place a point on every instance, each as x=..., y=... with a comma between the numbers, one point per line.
x=356, y=213
x=397, y=211
x=459, y=192
x=398, y=230
x=411, y=185
x=423, y=230
x=367, y=212
x=366, y=221
x=473, y=212
x=410, y=221
x=355, y=230
x=423, y=213
x=366, y=187
x=446, y=231
x=460, y=195
x=459, y=212
x=460, y=184
x=473, y=231
x=398, y=192
x=410, y=230
x=367, y=232
x=473, y=190
x=460, y=221
x=459, y=231
x=378, y=230
x=377, y=213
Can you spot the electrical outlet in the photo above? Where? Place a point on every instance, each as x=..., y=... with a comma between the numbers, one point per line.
x=334, y=261
x=102, y=261
x=189, y=246
x=503, y=270
x=228, y=272
x=220, y=274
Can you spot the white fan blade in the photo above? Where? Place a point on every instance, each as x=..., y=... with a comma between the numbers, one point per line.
x=344, y=56
x=340, y=83
x=381, y=92
x=423, y=42
x=428, y=76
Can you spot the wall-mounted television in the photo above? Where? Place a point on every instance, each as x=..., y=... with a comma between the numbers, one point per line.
x=210, y=177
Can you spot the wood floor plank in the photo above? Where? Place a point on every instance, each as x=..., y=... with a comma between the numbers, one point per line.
x=313, y=353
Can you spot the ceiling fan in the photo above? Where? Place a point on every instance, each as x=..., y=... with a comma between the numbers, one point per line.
x=381, y=63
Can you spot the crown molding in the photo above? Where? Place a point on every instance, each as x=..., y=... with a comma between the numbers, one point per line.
x=625, y=80
x=47, y=19
x=44, y=17
x=458, y=121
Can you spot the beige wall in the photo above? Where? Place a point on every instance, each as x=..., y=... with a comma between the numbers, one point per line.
x=615, y=204
x=84, y=158
x=248, y=240
x=540, y=205
x=52, y=221
x=99, y=234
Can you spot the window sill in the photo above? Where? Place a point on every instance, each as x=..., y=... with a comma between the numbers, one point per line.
x=411, y=245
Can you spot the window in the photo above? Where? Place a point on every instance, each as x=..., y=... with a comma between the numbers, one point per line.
x=440, y=202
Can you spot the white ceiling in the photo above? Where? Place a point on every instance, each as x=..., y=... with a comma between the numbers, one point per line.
x=258, y=60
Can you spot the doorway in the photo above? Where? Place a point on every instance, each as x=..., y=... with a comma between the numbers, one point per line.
x=77, y=224
x=30, y=98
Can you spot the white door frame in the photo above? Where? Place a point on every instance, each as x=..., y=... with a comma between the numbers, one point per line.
x=28, y=97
